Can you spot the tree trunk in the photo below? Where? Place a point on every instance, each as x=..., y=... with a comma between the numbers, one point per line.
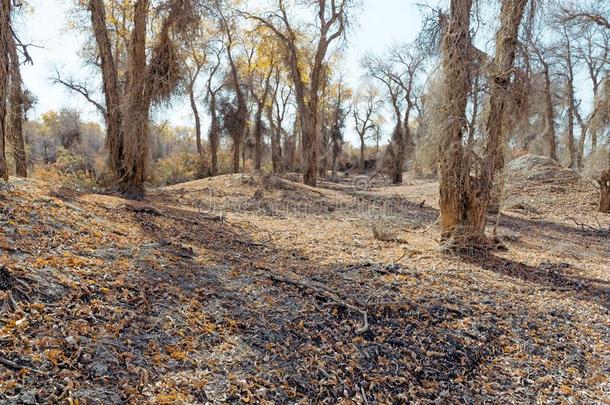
x=197, y=121
x=463, y=197
x=15, y=113
x=571, y=105
x=258, y=138
x=549, y=114
x=398, y=148
x=135, y=129
x=214, y=134
x=604, y=194
x=362, y=146
x=5, y=32
x=113, y=113
x=275, y=160
x=309, y=137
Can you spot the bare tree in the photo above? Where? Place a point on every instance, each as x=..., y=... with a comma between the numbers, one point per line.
x=397, y=71
x=366, y=106
x=276, y=115
x=215, y=127
x=542, y=58
x=568, y=75
x=332, y=18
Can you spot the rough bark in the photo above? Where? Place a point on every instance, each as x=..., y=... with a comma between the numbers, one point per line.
x=16, y=111
x=572, y=158
x=549, y=113
x=5, y=32
x=113, y=116
x=604, y=194
x=214, y=134
x=258, y=120
x=465, y=195
x=137, y=106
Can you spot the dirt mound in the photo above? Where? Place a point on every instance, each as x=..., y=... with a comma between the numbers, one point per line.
x=534, y=168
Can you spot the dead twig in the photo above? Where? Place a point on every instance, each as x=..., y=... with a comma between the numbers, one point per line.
x=17, y=367
x=328, y=294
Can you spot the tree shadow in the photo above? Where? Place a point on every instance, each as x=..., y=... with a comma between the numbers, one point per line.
x=551, y=276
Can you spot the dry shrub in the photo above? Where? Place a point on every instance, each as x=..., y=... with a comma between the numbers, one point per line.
x=596, y=163
x=177, y=168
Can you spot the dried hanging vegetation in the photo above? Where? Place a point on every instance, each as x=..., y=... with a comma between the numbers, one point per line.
x=148, y=82
x=466, y=180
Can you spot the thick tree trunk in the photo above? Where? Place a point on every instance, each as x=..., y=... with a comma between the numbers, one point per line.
x=135, y=129
x=464, y=198
x=309, y=137
x=236, y=143
x=113, y=113
x=15, y=113
x=5, y=32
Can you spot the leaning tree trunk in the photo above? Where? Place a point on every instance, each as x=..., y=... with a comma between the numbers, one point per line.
x=197, y=122
x=15, y=113
x=5, y=32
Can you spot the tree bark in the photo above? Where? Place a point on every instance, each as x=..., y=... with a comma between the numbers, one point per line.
x=195, y=110
x=464, y=198
x=604, y=194
x=549, y=113
x=5, y=32
x=571, y=104
x=214, y=134
x=113, y=114
x=135, y=129
x=15, y=113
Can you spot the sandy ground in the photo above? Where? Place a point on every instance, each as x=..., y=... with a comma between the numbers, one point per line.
x=246, y=288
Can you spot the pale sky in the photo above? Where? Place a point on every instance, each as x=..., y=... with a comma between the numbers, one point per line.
x=382, y=23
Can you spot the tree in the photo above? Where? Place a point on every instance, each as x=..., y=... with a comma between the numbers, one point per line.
x=5, y=34
x=215, y=126
x=542, y=58
x=276, y=114
x=566, y=55
x=134, y=79
x=397, y=70
x=307, y=78
x=237, y=120
x=465, y=189
x=17, y=106
x=366, y=117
